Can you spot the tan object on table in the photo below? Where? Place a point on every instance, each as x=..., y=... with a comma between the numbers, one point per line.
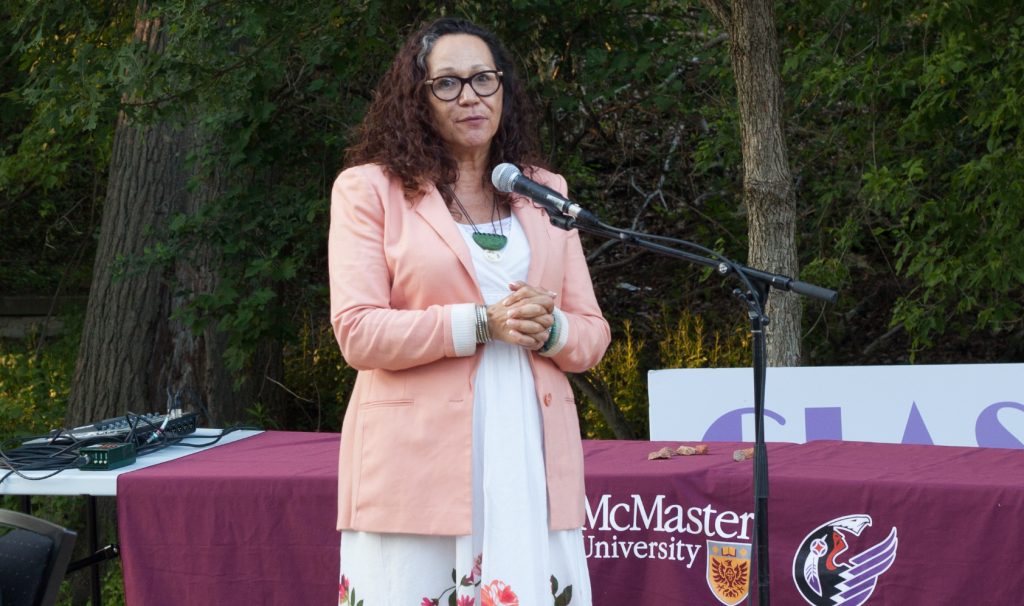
x=664, y=453
x=686, y=451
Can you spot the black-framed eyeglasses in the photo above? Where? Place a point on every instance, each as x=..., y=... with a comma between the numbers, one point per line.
x=448, y=88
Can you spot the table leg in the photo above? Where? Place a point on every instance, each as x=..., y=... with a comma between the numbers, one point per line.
x=94, y=545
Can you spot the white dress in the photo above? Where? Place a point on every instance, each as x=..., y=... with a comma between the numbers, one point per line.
x=511, y=558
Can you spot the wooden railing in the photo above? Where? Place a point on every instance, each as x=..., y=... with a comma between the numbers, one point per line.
x=22, y=316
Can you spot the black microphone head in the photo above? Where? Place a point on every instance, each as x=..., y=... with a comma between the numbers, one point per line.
x=503, y=177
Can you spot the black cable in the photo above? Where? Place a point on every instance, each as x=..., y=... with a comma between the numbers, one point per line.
x=217, y=438
x=39, y=457
x=59, y=449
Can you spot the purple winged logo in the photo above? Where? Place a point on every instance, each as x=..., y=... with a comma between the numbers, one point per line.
x=826, y=575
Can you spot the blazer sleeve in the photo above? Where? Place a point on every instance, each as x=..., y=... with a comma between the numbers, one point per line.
x=370, y=333
x=588, y=331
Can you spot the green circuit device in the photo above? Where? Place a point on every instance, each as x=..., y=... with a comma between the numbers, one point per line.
x=108, y=455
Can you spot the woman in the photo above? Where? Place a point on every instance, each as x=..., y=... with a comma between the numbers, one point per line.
x=461, y=465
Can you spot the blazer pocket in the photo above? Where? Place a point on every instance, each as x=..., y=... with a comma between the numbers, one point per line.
x=411, y=457
x=386, y=403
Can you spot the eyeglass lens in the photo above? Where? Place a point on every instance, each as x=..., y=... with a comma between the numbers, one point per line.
x=448, y=88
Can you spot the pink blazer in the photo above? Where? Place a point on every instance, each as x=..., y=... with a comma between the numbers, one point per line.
x=396, y=268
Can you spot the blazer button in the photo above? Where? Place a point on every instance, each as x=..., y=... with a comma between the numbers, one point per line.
x=547, y=399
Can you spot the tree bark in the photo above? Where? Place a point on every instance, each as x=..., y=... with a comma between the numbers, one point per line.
x=767, y=182
x=125, y=334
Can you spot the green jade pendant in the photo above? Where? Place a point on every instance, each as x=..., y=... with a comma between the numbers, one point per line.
x=490, y=241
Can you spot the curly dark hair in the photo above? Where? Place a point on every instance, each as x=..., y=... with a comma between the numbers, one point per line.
x=398, y=130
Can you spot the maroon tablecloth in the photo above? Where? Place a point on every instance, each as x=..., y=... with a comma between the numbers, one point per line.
x=949, y=521
x=253, y=523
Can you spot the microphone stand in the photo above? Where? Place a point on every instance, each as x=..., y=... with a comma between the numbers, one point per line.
x=757, y=284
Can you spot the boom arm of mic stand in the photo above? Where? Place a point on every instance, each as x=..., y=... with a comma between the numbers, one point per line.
x=777, y=281
x=566, y=222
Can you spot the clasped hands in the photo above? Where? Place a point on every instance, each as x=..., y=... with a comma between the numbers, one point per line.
x=524, y=317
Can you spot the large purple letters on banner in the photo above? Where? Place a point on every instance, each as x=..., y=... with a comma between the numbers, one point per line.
x=826, y=423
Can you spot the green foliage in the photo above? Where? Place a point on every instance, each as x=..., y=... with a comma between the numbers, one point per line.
x=113, y=584
x=625, y=99
x=266, y=79
x=34, y=383
x=314, y=365
x=35, y=377
x=913, y=131
x=621, y=371
x=688, y=345
x=57, y=115
x=684, y=342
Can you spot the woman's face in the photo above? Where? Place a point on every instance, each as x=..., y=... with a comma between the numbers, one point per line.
x=467, y=123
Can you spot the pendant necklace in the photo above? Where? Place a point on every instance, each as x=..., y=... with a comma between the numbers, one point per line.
x=491, y=243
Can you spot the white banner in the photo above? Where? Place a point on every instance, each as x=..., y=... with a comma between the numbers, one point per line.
x=952, y=405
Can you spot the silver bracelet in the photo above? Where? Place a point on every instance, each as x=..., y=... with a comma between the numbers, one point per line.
x=483, y=329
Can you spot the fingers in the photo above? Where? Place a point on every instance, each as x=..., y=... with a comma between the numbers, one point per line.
x=537, y=312
x=531, y=326
x=526, y=340
x=522, y=289
x=530, y=332
x=532, y=342
x=528, y=301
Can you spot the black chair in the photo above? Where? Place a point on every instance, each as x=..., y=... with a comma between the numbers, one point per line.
x=34, y=555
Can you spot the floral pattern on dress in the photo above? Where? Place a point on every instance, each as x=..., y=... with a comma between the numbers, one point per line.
x=454, y=599
x=474, y=574
x=347, y=595
x=561, y=599
x=497, y=593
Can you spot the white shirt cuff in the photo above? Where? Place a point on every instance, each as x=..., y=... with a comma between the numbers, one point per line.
x=464, y=329
x=562, y=322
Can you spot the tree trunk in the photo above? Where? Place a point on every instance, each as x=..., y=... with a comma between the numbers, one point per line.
x=196, y=362
x=125, y=336
x=132, y=353
x=767, y=183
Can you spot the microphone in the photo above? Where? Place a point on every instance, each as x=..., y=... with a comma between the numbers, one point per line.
x=508, y=179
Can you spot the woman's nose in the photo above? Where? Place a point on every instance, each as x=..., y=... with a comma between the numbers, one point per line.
x=468, y=96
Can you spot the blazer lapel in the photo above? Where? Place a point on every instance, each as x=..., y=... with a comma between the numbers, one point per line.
x=534, y=222
x=434, y=211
